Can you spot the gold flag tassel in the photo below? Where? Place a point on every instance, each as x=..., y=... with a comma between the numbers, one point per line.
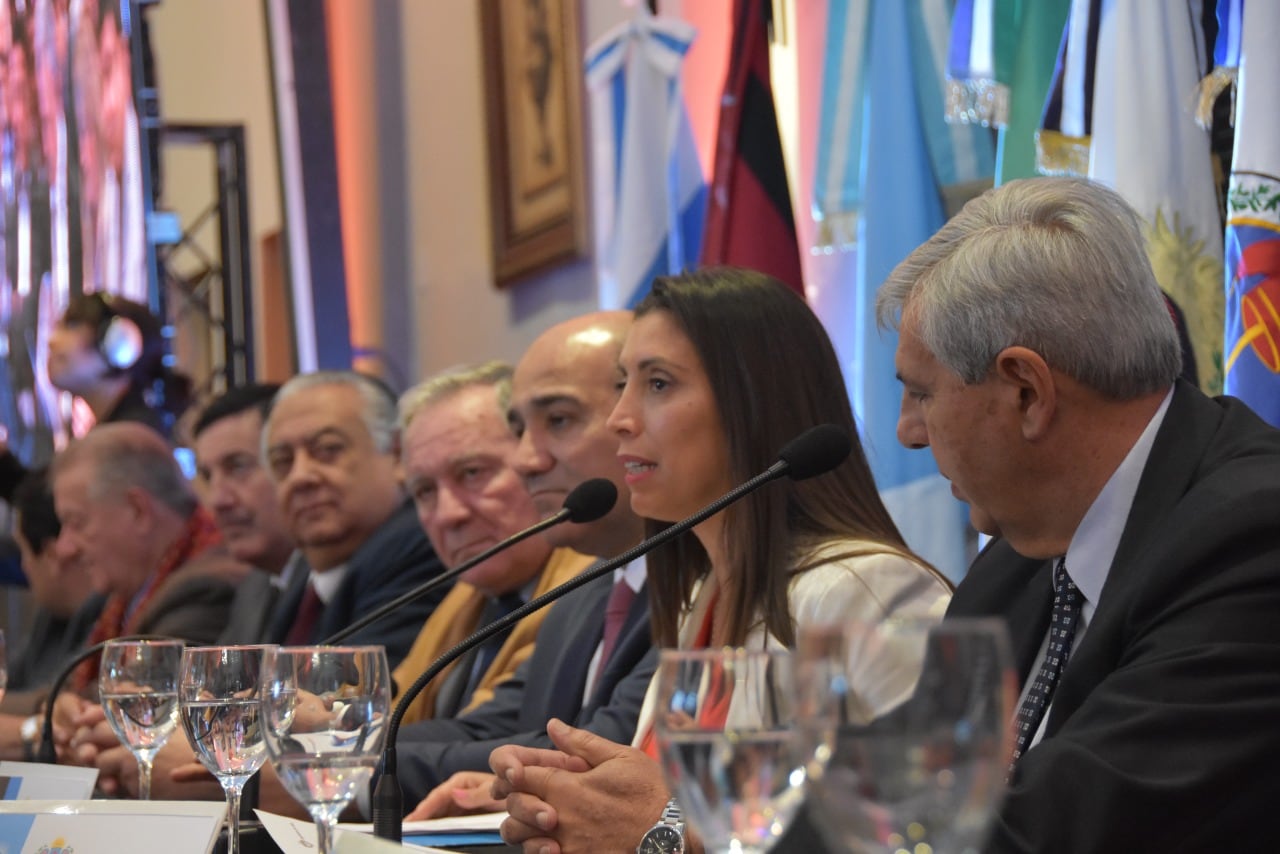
x=1220, y=78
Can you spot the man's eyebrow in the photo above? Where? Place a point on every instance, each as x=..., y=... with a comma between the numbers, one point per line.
x=471, y=457
x=547, y=401
x=311, y=437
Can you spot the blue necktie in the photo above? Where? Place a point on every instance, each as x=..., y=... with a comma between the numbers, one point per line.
x=1067, y=602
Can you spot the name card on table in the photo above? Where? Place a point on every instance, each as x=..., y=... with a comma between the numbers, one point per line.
x=294, y=836
x=35, y=781
x=109, y=827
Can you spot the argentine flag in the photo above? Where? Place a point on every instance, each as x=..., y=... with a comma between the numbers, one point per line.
x=650, y=193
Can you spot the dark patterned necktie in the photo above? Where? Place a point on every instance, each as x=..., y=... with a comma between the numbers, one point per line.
x=1067, y=602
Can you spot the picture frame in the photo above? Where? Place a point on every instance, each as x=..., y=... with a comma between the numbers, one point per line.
x=533, y=86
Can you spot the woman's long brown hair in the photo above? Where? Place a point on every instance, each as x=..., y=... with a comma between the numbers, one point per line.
x=774, y=374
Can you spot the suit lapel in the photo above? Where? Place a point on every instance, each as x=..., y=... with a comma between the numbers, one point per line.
x=1189, y=426
x=287, y=605
x=632, y=645
x=1003, y=583
x=571, y=670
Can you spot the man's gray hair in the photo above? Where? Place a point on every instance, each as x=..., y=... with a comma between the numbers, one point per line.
x=496, y=374
x=378, y=411
x=1057, y=265
x=126, y=456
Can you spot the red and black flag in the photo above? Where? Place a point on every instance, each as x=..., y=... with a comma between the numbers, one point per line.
x=749, y=217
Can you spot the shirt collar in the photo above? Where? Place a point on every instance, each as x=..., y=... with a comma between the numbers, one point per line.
x=1093, y=546
x=326, y=583
x=633, y=573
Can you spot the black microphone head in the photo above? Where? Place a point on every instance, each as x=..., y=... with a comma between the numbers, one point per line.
x=815, y=451
x=591, y=500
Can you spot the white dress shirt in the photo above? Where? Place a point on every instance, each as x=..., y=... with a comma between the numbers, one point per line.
x=1093, y=546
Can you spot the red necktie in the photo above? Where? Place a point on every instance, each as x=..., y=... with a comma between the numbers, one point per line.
x=616, y=610
x=304, y=621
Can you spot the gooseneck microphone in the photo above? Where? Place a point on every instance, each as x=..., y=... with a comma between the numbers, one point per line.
x=587, y=502
x=814, y=452
x=47, y=752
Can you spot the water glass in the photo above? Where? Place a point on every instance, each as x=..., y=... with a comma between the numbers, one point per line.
x=914, y=761
x=218, y=695
x=138, y=687
x=725, y=741
x=325, y=709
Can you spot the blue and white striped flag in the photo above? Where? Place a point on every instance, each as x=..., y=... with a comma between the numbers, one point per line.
x=884, y=138
x=650, y=192
x=837, y=183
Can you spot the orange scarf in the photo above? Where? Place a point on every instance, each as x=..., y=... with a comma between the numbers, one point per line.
x=199, y=535
x=715, y=709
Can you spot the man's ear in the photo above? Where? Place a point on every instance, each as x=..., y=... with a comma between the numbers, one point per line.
x=1027, y=371
x=140, y=506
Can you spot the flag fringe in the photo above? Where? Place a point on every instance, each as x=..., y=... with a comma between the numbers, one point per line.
x=956, y=196
x=977, y=102
x=836, y=232
x=1060, y=154
x=1222, y=77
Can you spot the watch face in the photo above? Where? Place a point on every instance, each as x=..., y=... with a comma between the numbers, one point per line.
x=663, y=839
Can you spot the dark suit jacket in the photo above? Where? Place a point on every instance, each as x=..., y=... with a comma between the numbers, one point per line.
x=550, y=684
x=393, y=561
x=253, y=609
x=1164, y=731
x=193, y=602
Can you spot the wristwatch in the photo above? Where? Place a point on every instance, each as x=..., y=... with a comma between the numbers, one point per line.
x=667, y=836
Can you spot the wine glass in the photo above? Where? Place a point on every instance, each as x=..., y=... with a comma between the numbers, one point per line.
x=326, y=710
x=910, y=756
x=138, y=687
x=221, y=706
x=724, y=738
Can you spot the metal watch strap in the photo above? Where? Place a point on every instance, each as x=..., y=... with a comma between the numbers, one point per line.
x=669, y=823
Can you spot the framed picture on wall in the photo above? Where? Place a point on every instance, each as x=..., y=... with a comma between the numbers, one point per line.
x=533, y=83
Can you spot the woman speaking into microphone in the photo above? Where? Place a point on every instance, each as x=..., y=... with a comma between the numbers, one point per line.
x=720, y=369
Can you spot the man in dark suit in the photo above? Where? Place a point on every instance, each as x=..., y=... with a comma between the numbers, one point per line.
x=331, y=446
x=1039, y=366
x=235, y=487
x=562, y=393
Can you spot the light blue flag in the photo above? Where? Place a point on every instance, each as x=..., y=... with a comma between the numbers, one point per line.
x=837, y=183
x=650, y=194
x=906, y=156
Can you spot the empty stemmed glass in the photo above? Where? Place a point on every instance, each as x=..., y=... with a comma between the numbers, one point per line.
x=138, y=687
x=221, y=706
x=724, y=737
x=916, y=760
x=325, y=711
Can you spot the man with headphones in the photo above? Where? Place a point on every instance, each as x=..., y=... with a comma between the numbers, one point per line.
x=109, y=351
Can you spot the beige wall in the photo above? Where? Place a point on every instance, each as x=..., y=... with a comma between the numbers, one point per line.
x=429, y=214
